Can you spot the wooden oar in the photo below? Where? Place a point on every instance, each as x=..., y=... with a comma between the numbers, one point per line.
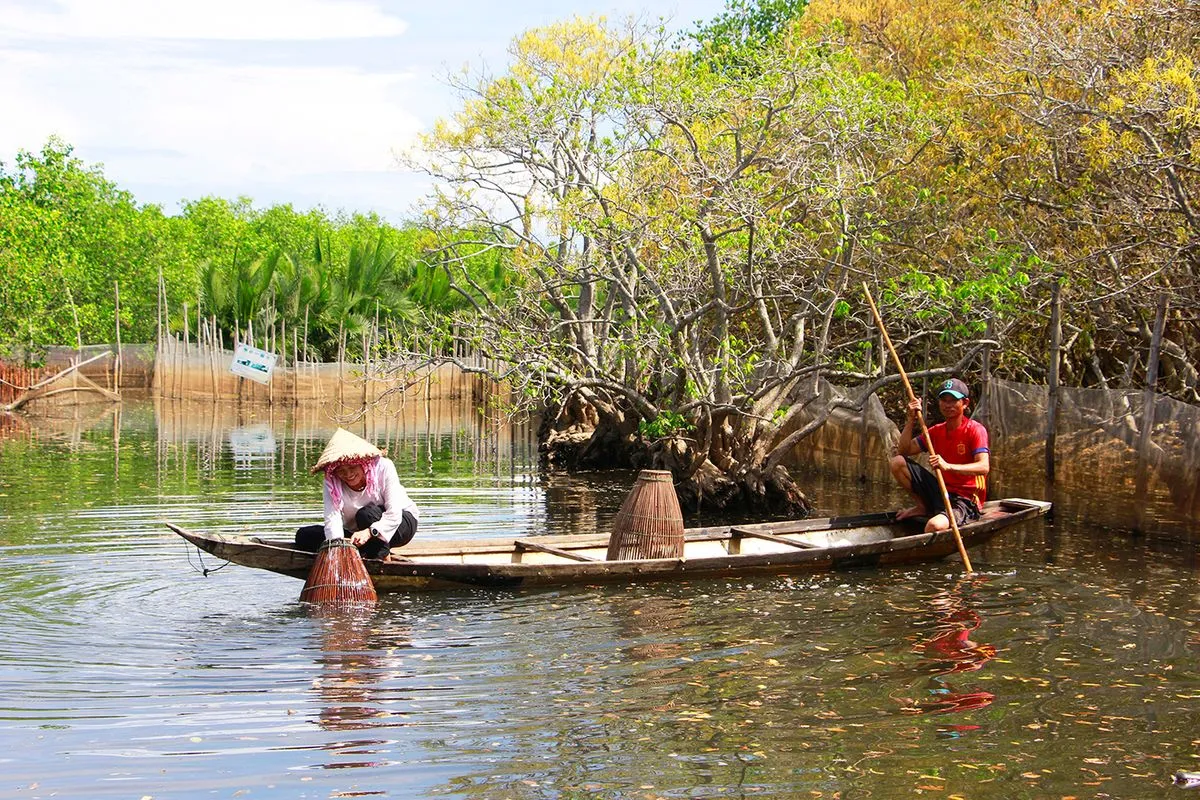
x=962, y=551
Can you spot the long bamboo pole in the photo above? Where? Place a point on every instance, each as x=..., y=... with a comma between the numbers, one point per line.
x=887, y=340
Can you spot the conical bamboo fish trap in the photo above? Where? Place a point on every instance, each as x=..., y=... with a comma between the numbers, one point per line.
x=650, y=523
x=339, y=577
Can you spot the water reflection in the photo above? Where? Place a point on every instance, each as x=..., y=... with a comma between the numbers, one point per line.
x=1074, y=649
x=651, y=626
x=354, y=667
x=950, y=651
x=64, y=423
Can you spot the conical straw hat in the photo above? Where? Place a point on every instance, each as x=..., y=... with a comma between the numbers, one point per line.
x=344, y=446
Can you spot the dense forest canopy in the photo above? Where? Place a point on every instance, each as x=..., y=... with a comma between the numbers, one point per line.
x=663, y=235
x=691, y=218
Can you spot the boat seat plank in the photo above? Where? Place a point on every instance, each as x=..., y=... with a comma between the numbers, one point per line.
x=770, y=537
x=525, y=544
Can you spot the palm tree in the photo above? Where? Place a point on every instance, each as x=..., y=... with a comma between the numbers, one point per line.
x=236, y=293
x=372, y=291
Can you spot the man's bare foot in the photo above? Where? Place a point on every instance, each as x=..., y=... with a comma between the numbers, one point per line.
x=908, y=513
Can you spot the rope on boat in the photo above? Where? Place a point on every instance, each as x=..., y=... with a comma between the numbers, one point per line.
x=203, y=570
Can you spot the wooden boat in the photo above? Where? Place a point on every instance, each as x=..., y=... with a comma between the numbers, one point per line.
x=768, y=548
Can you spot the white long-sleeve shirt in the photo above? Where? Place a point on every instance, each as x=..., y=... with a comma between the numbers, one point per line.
x=389, y=494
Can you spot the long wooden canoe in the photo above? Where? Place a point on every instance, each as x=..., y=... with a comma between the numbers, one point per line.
x=809, y=545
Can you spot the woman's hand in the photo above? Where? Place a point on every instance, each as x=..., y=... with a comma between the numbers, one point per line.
x=359, y=538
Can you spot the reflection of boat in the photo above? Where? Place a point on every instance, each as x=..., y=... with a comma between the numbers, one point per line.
x=866, y=540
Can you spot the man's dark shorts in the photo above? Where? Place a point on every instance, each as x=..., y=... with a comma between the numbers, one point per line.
x=925, y=486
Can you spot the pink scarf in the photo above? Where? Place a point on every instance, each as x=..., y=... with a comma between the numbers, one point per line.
x=371, y=467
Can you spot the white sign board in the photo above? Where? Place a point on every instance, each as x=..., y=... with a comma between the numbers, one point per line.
x=250, y=362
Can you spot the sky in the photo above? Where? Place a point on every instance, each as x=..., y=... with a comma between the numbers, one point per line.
x=284, y=101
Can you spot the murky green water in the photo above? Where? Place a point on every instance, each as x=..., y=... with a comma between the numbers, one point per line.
x=1065, y=668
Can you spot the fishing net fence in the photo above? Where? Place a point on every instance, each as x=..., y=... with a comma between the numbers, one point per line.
x=1128, y=458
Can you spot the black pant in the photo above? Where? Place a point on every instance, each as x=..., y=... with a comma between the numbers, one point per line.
x=311, y=537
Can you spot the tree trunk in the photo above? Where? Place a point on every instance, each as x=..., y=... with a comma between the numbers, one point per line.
x=575, y=437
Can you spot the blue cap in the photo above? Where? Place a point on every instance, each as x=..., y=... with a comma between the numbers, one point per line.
x=955, y=388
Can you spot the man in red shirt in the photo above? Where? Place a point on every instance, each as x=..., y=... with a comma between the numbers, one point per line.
x=960, y=450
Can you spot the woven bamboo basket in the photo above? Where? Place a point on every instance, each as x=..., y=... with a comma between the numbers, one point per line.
x=339, y=577
x=650, y=523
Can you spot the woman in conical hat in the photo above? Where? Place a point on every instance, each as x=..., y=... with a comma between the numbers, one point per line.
x=364, y=500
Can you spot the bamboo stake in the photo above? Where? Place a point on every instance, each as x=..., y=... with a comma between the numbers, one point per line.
x=887, y=340
x=283, y=348
x=341, y=392
x=986, y=365
x=212, y=356
x=158, y=335
x=117, y=318
x=1145, y=436
x=366, y=344
x=295, y=366
x=1052, y=379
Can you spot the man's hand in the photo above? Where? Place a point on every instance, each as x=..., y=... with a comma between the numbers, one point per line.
x=359, y=538
x=914, y=408
x=937, y=462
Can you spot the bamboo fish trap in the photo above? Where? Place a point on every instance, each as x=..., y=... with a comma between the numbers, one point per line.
x=339, y=577
x=650, y=522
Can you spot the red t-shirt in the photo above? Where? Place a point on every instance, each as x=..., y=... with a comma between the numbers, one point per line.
x=960, y=446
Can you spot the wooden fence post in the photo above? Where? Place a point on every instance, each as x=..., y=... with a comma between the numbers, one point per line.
x=863, y=427
x=1145, y=436
x=1055, y=354
x=117, y=318
x=1160, y=322
x=985, y=366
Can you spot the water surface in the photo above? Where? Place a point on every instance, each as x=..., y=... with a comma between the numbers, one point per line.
x=1065, y=668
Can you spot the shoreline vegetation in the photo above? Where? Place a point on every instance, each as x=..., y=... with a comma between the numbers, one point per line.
x=665, y=259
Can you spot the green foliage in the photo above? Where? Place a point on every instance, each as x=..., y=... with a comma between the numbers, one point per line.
x=68, y=237
x=729, y=39
x=668, y=423
x=686, y=219
x=963, y=303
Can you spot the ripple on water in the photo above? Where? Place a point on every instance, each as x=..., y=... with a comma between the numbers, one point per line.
x=128, y=673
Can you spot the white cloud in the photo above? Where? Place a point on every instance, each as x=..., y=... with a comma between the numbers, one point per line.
x=283, y=100
x=239, y=20
x=171, y=115
x=271, y=121
x=30, y=114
